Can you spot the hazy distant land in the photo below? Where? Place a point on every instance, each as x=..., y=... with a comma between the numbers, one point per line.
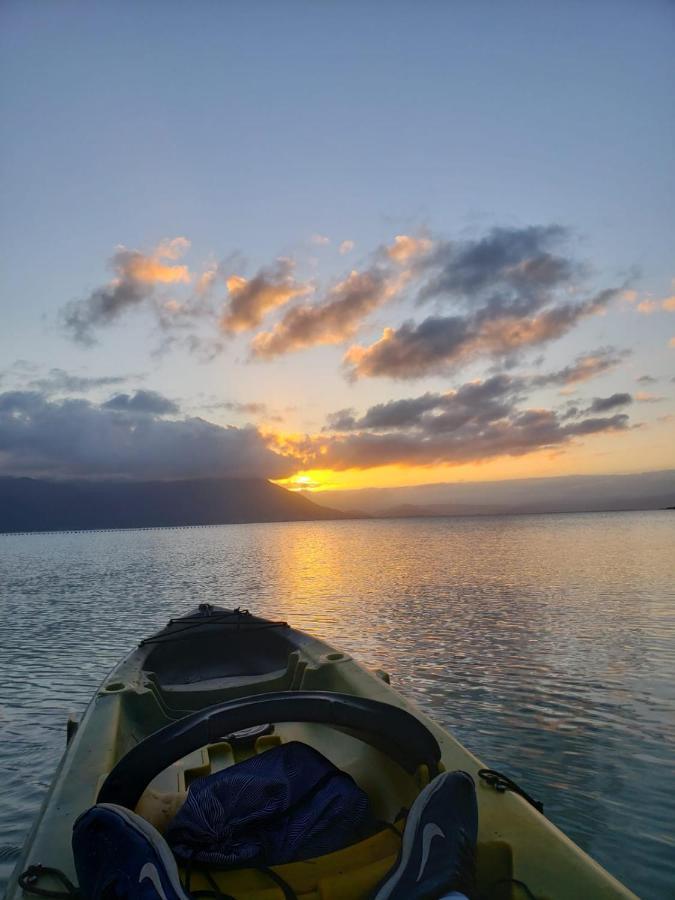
x=569, y=493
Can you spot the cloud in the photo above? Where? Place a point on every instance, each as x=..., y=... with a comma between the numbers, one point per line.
x=440, y=343
x=671, y=342
x=332, y=321
x=346, y=247
x=76, y=438
x=487, y=400
x=207, y=280
x=604, y=404
x=646, y=397
x=584, y=368
x=320, y=240
x=142, y=402
x=455, y=430
x=509, y=268
x=136, y=275
x=479, y=420
x=507, y=292
x=250, y=300
x=647, y=379
x=255, y=409
x=59, y=381
x=406, y=248
x=649, y=305
x=247, y=409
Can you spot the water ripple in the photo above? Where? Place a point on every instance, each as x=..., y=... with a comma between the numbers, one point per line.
x=547, y=643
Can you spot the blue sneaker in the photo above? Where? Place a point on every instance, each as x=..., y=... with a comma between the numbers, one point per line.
x=439, y=842
x=120, y=855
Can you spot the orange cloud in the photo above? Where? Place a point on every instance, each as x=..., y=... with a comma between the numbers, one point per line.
x=206, y=280
x=406, y=247
x=333, y=321
x=251, y=300
x=151, y=270
x=136, y=276
x=649, y=305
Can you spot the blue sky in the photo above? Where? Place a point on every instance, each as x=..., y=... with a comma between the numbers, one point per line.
x=248, y=128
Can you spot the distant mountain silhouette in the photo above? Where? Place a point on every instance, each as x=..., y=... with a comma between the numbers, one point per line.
x=29, y=504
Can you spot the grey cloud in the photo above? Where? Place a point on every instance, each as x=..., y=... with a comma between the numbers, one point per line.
x=479, y=420
x=604, y=404
x=647, y=379
x=618, y=422
x=255, y=409
x=398, y=413
x=142, y=402
x=507, y=292
x=441, y=343
x=488, y=400
x=585, y=367
x=76, y=438
x=247, y=409
x=60, y=381
x=509, y=267
x=101, y=307
x=470, y=441
x=342, y=420
x=411, y=351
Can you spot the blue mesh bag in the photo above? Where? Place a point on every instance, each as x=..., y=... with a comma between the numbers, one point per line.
x=287, y=804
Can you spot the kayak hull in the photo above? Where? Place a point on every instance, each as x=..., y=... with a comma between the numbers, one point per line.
x=215, y=655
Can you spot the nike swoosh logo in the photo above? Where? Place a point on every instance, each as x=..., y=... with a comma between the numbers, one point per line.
x=149, y=870
x=430, y=832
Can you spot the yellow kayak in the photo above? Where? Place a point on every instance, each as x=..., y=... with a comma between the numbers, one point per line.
x=217, y=686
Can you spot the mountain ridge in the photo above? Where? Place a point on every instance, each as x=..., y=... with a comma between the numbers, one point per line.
x=33, y=505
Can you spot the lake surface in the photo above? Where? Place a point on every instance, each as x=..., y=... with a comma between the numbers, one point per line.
x=546, y=643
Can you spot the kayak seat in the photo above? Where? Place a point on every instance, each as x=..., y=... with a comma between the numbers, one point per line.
x=193, y=695
x=208, y=657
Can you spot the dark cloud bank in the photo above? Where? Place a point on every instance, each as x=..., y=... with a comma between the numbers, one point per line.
x=478, y=421
x=126, y=437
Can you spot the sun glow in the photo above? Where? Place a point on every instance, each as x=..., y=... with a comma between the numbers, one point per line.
x=312, y=480
x=641, y=449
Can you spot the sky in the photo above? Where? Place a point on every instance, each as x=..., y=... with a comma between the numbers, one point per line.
x=339, y=245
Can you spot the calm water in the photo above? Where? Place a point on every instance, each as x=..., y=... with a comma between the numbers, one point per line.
x=547, y=643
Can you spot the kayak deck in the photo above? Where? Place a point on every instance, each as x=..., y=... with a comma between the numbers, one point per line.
x=217, y=655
